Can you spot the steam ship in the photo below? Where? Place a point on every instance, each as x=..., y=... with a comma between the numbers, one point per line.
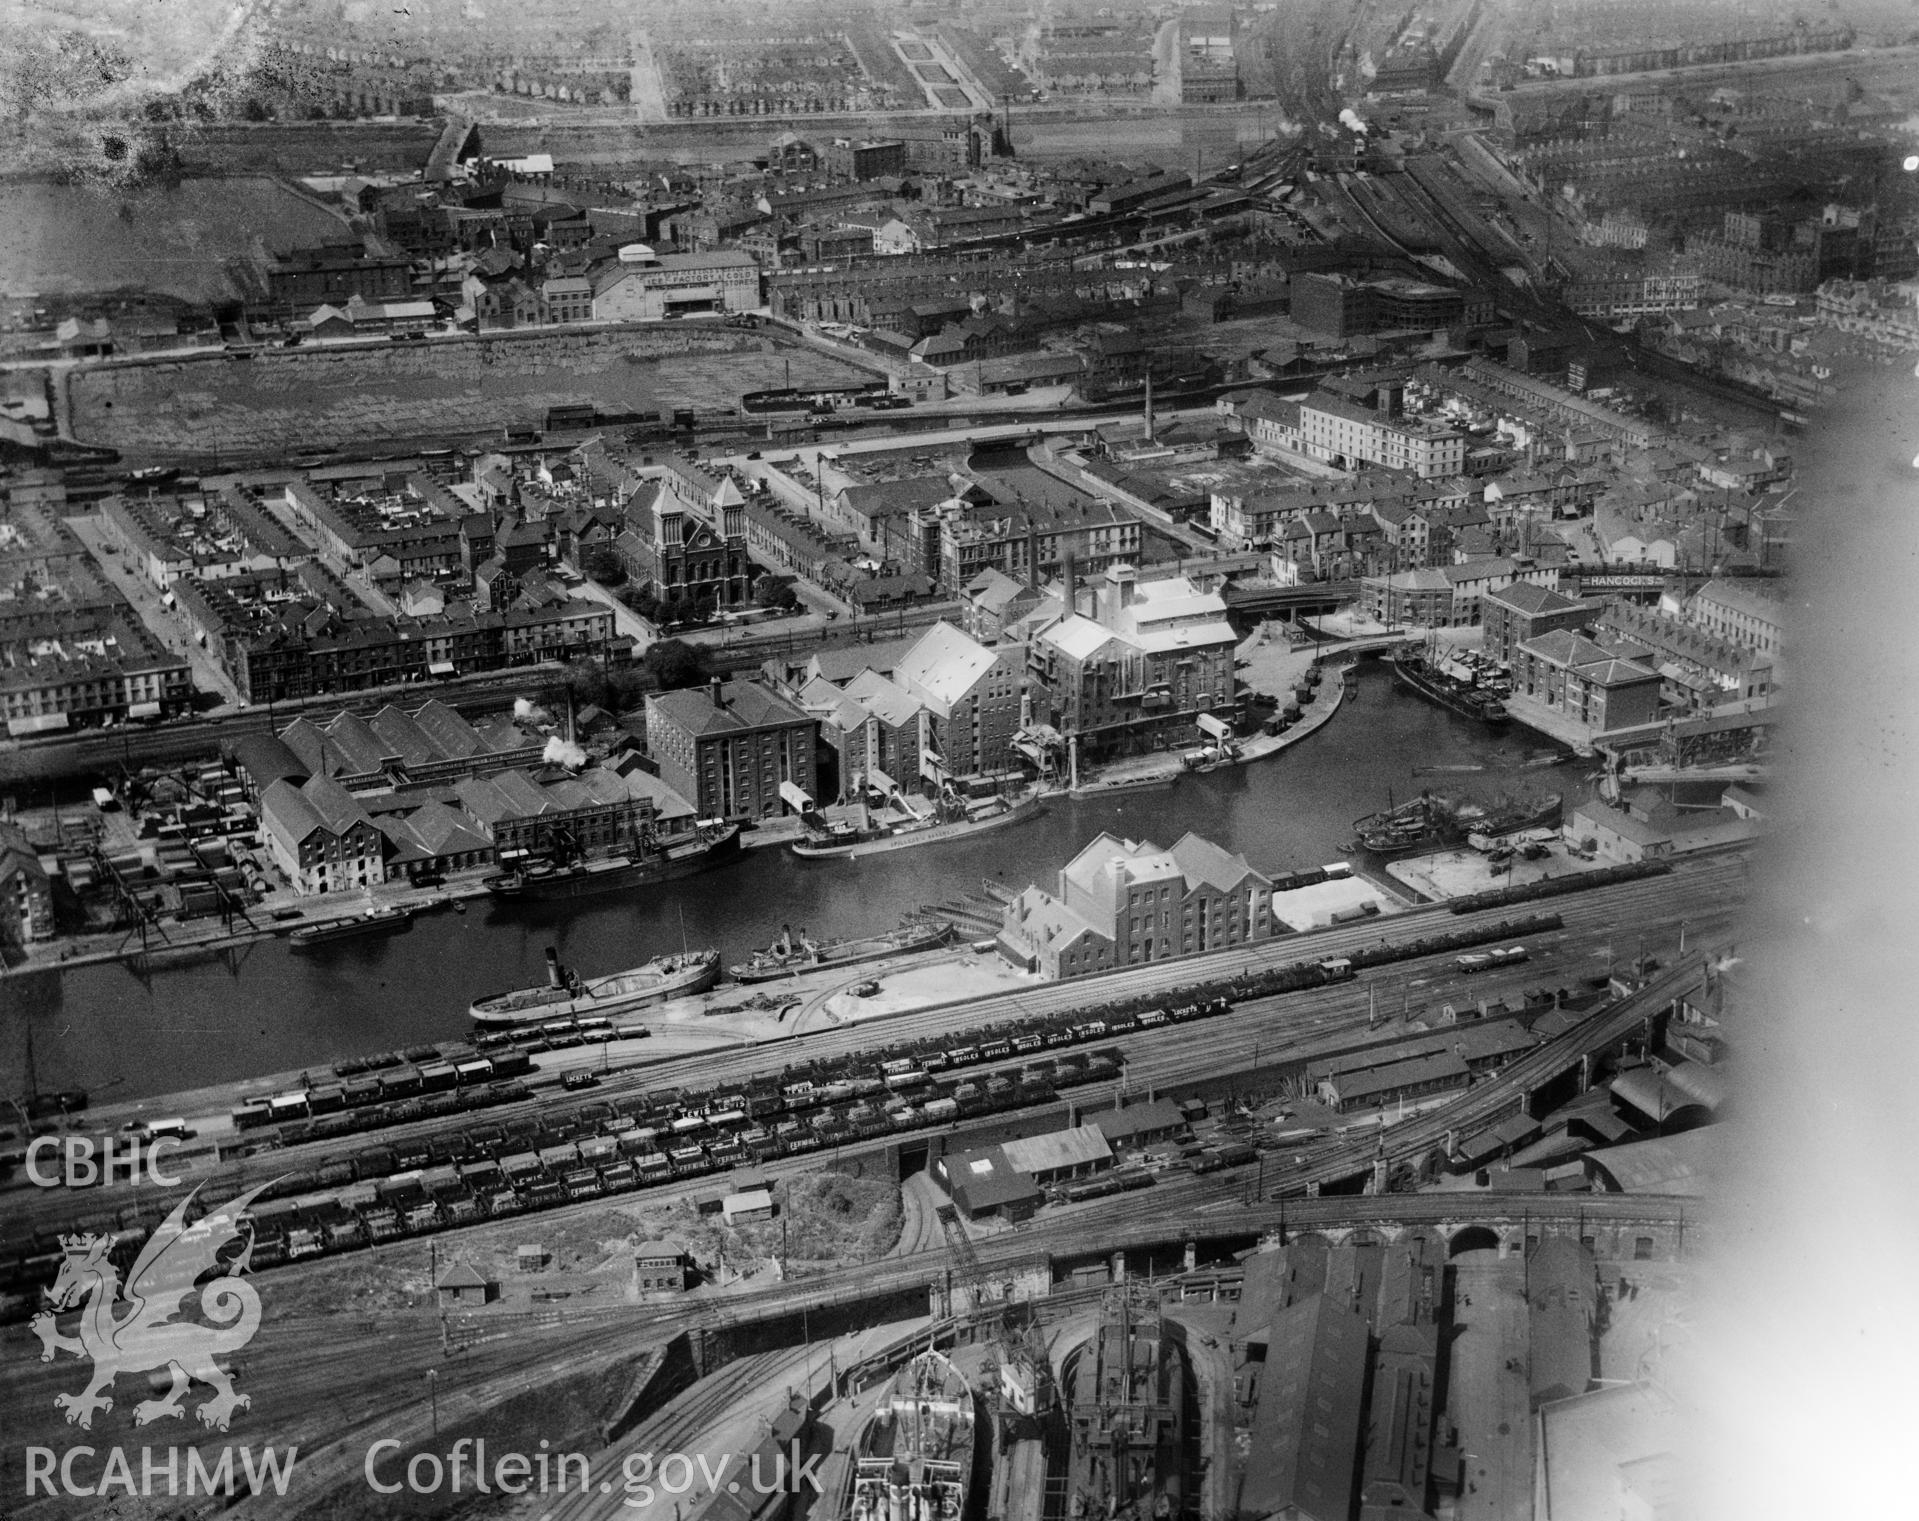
x=1511, y=816
x=915, y=1456
x=564, y=994
x=1425, y=823
x=1431, y=822
x=789, y=955
x=841, y=840
x=1128, y=1403
x=651, y=861
x=1416, y=671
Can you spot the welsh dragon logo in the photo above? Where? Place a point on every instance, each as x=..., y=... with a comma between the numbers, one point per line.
x=146, y=1338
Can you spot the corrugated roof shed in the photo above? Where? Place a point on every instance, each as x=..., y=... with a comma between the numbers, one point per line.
x=1399, y=1430
x=984, y=1181
x=1562, y=1285
x=267, y=760
x=1649, y=1092
x=1059, y=1150
x=1673, y=1164
x=1607, y=1453
x=1305, y=1440
x=1120, y=1126
x=403, y=737
x=1358, y=1087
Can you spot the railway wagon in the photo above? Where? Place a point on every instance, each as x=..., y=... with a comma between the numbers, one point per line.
x=524, y=1163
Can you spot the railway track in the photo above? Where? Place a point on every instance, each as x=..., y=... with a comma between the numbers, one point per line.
x=678, y=1427
x=384, y=1361
x=1412, y=1137
x=1263, y=1026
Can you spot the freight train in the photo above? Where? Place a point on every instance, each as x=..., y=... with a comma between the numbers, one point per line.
x=538, y=1160
x=390, y=1091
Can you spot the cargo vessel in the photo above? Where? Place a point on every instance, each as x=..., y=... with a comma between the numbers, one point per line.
x=1426, y=823
x=1417, y=672
x=376, y=921
x=915, y=1453
x=1127, y=1396
x=1512, y=816
x=792, y=954
x=650, y=862
x=1431, y=822
x=565, y=994
x=833, y=841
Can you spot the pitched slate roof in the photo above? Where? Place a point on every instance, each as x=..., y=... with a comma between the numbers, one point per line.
x=748, y=706
x=1531, y=598
x=943, y=665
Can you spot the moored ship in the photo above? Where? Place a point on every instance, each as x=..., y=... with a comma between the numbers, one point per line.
x=651, y=862
x=1128, y=1404
x=915, y=1456
x=1416, y=671
x=565, y=994
x=377, y=921
x=1433, y=822
x=1427, y=822
x=841, y=840
x=1510, y=816
x=790, y=954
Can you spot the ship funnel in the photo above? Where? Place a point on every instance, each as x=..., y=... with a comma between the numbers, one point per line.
x=555, y=978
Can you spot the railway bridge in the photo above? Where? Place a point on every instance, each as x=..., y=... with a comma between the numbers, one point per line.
x=1191, y=1256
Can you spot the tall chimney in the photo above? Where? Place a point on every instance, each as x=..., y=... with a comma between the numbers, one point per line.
x=718, y=689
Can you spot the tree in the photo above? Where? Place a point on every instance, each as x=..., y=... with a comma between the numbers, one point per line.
x=641, y=599
x=674, y=663
x=776, y=591
x=603, y=565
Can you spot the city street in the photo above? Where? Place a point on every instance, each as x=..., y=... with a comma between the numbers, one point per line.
x=116, y=562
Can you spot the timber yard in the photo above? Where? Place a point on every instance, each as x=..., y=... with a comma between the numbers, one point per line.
x=953, y=762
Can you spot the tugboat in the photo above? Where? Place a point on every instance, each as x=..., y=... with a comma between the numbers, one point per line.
x=915, y=1454
x=789, y=955
x=1417, y=671
x=1128, y=1403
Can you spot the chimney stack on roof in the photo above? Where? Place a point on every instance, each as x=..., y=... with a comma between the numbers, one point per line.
x=717, y=689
